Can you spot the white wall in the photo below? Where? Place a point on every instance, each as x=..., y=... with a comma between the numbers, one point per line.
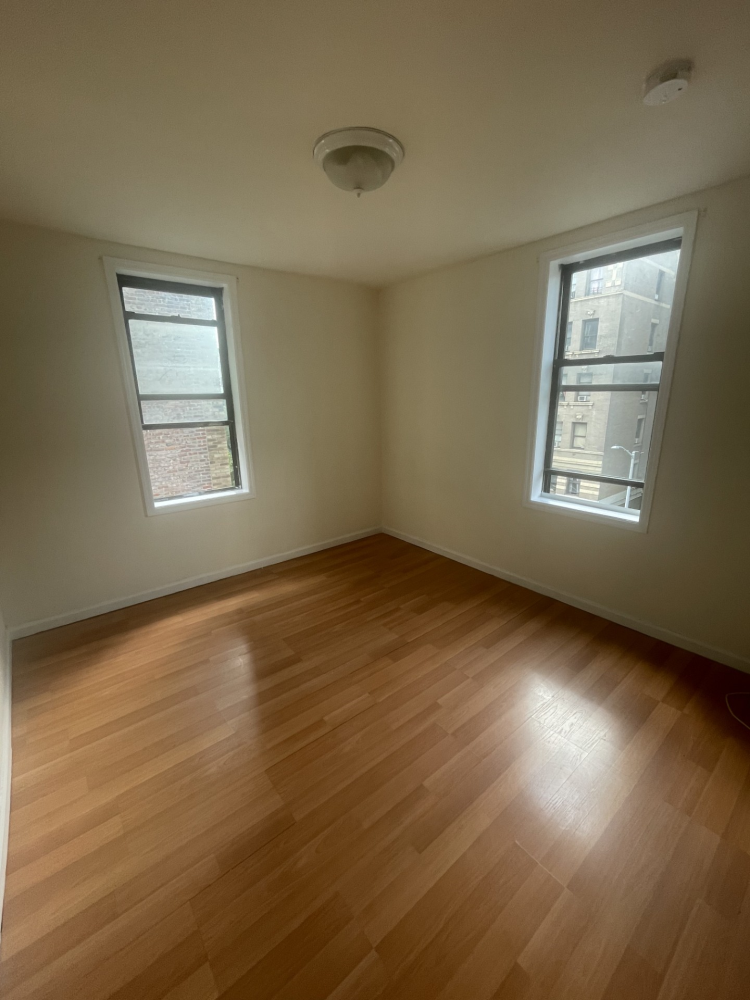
x=457, y=367
x=72, y=524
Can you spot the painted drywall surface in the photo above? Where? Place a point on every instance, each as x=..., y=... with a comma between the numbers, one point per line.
x=72, y=523
x=457, y=360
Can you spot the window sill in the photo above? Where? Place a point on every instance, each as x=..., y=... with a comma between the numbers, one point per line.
x=189, y=503
x=621, y=519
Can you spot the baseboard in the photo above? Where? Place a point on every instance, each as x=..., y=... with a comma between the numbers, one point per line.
x=5, y=762
x=43, y=624
x=647, y=628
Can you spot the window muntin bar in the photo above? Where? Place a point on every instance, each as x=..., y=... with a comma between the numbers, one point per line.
x=611, y=386
x=594, y=478
x=609, y=359
x=158, y=318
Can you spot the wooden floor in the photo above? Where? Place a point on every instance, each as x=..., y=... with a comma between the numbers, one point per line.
x=373, y=772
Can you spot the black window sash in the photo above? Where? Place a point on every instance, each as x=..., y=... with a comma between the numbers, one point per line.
x=205, y=292
x=560, y=362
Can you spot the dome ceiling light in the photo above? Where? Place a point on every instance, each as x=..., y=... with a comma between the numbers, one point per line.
x=358, y=159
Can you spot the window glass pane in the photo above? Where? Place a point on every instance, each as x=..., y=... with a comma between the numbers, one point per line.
x=622, y=308
x=180, y=411
x=158, y=303
x=189, y=460
x=589, y=334
x=649, y=371
x=603, y=494
x=172, y=357
x=578, y=435
x=606, y=435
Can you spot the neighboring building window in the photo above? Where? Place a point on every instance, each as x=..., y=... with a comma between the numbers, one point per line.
x=183, y=375
x=606, y=448
x=578, y=435
x=573, y=288
x=584, y=378
x=659, y=283
x=589, y=334
x=595, y=281
x=568, y=334
x=652, y=333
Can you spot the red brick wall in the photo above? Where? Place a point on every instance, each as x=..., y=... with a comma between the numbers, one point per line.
x=188, y=460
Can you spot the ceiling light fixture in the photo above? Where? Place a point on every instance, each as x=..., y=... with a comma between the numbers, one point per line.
x=358, y=159
x=667, y=81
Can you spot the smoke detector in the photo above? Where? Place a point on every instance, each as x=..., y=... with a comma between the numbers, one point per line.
x=667, y=81
x=358, y=159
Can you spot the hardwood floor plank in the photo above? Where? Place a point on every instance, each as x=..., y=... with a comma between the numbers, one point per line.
x=373, y=774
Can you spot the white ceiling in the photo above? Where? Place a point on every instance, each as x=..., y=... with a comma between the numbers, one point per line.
x=188, y=125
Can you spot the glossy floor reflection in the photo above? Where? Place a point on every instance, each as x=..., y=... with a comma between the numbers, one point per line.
x=373, y=772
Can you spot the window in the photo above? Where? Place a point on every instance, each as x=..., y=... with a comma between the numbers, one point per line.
x=182, y=377
x=595, y=281
x=584, y=378
x=652, y=333
x=659, y=283
x=578, y=435
x=568, y=334
x=601, y=457
x=589, y=334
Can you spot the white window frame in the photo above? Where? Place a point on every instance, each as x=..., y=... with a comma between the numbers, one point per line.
x=550, y=265
x=228, y=283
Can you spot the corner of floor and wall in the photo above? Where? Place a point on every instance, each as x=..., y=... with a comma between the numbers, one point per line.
x=457, y=368
x=404, y=410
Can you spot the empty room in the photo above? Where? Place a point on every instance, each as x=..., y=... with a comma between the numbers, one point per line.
x=374, y=478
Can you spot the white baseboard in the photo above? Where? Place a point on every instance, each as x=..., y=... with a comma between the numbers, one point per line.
x=43, y=624
x=5, y=761
x=655, y=631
